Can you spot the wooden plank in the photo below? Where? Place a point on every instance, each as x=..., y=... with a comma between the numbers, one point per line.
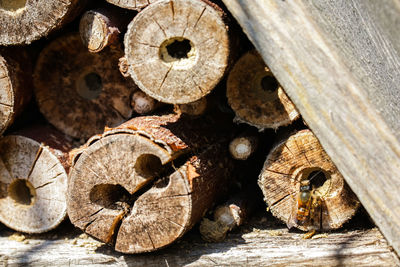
x=339, y=63
x=256, y=244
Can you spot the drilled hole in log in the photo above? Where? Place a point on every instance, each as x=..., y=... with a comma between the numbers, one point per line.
x=22, y=192
x=90, y=86
x=319, y=180
x=178, y=51
x=148, y=165
x=109, y=195
x=269, y=84
x=12, y=5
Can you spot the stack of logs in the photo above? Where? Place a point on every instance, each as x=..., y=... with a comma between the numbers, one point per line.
x=152, y=113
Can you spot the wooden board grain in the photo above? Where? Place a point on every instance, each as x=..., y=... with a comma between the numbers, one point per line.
x=339, y=63
x=260, y=243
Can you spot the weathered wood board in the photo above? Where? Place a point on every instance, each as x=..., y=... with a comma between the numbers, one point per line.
x=339, y=63
x=259, y=243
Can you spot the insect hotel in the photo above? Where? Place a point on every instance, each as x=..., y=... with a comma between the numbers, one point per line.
x=199, y=133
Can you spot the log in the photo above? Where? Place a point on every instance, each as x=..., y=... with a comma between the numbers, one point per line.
x=257, y=244
x=177, y=51
x=256, y=96
x=295, y=160
x=243, y=146
x=132, y=4
x=163, y=194
x=337, y=62
x=102, y=27
x=196, y=108
x=233, y=213
x=24, y=21
x=80, y=92
x=144, y=104
x=33, y=181
x=15, y=85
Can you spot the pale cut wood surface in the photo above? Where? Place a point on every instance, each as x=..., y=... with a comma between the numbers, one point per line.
x=177, y=50
x=338, y=61
x=257, y=244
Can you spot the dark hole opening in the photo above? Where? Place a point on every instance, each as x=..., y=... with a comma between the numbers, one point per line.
x=317, y=178
x=22, y=192
x=179, y=49
x=269, y=83
x=110, y=196
x=148, y=165
x=93, y=82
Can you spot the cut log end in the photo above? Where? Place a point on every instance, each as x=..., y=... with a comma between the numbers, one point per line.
x=293, y=161
x=132, y=4
x=243, y=147
x=85, y=92
x=97, y=31
x=145, y=207
x=143, y=104
x=177, y=51
x=15, y=86
x=196, y=108
x=33, y=185
x=256, y=96
x=23, y=21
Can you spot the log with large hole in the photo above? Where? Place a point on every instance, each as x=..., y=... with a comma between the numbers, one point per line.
x=177, y=51
x=326, y=204
x=33, y=179
x=80, y=92
x=256, y=96
x=15, y=85
x=24, y=21
x=145, y=183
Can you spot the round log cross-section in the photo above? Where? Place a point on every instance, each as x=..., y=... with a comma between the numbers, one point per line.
x=80, y=92
x=177, y=51
x=24, y=21
x=256, y=96
x=33, y=180
x=124, y=188
x=132, y=4
x=15, y=85
x=301, y=160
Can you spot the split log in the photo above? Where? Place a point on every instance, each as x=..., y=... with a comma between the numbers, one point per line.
x=33, y=181
x=243, y=146
x=161, y=196
x=256, y=96
x=15, y=85
x=24, y=21
x=102, y=27
x=132, y=4
x=143, y=104
x=80, y=92
x=301, y=158
x=177, y=51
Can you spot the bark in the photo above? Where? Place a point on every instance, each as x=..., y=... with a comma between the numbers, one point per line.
x=102, y=27
x=33, y=181
x=24, y=21
x=171, y=183
x=177, y=51
x=256, y=96
x=80, y=92
x=15, y=85
x=299, y=158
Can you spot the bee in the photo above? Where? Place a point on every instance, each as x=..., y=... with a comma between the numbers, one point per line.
x=308, y=203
